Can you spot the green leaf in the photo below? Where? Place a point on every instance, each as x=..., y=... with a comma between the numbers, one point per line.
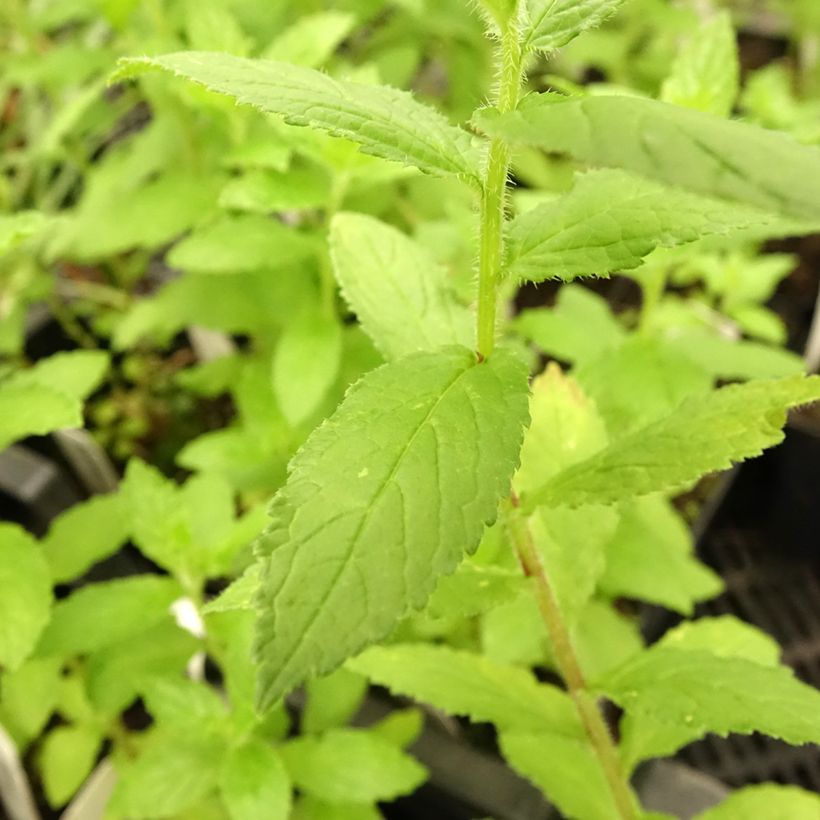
x=579, y=328
x=397, y=291
x=310, y=808
x=431, y=439
x=554, y=23
x=705, y=434
x=710, y=693
x=473, y=589
x=85, y=534
x=305, y=364
x=350, y=766
x=29, y=696
x=34, y=410
x=262, y=192
x=254, y=783
x=565, y=769
x=76, y=374
x=684, y=148
x=610, y=221
x=650, y=559
x=384, y=121
x=186, y=707
x=26, y=600
x=498, y=12
x=332, y=700
x=401, y=727
x=15, y=228
x=463, y=683
x=67, y=756
x=107, y=613
x=312, y=39
x=706, y=72
x=766, y=801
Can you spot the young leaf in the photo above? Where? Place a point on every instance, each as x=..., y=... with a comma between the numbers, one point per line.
x=35, y=410
x=399, y=294
x=66, y=758
x=610, y=221
x=473, y=589
x=312, y=39
x=431, y=439
x=766, y=801
x=254, y=783
x=705, y=692
x=351, y=766
x=677, y=146
x=462, y=683
x=564, y=768
x=26, y=598
x=263, y=192
x=554, y=23
x=650, y=559
x=384, y=121
x=706, y=73
x=30, y=694
x=498, y=12
x=705, y=434
x=15, y=228
x=332, y=700
x=76, y=374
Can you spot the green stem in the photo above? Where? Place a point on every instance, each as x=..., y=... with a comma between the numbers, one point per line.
x=569, y=668
x=494, y=194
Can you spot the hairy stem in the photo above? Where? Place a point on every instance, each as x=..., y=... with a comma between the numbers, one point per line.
x=567, y=662
x=494, y=194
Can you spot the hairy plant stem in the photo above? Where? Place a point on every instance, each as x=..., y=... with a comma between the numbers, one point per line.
x=494, y=193
x=567, y=662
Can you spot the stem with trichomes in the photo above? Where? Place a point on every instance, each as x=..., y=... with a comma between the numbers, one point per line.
x=567, y=662
x=494, y=192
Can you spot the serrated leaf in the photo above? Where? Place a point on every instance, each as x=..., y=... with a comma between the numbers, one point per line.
x=766, y=801
x=706, y=73
x=701, y=691
x=431, y=439
x=66, y=758
x=312, y=39
x=565, y=769
x=84, y=534
x=677, y=146
x=254, y=783
x=186, y=707
x=473, y=589
x=26, y=599
x=704, y=434
x=399, y=294
x=610, y=221
x=470, y=685
x=350, y=766
x=305, y=364
x=106, y=613
x=650, y=559
x=384, y=121
x=554, y=23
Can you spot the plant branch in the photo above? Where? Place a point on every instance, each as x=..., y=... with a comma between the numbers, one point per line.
x=569, y=668
x=494, y=193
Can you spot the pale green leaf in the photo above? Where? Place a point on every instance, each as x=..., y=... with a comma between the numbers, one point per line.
x=565, y=769
x=238, y=595
x=34, y=410
x=498, y=12
x=332, y=700
x=85, y=534
x=467, y=684
x=705, y=434
x=706, y=73
x=554, y=23
x=255, y=784
x=26, y=598
x=66, y=758
x=399, y=294
x=610, y=221
x=401, y=727
x=384, y=121
x=29, y=696
x=350, y=766
x=311, y=808
x=766, y=801
x=513, y=633
x=76, y=374
x=106, y=613
x=186, y=707
x=678, y=146
x=650, y=559
x=15, y=228
x=305, y=364
x=312, y=39
x=263, y=192
x=604, y=638
x=473, y=589
x=431, y=439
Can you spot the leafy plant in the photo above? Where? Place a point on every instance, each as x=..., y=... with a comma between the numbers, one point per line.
x=451, y=524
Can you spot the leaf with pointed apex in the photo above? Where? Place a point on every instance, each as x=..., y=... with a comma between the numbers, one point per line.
x=684, y=148
x=66, y=757
x=35, y=410
x=766, y=801
x=384, y=497
x=254, y=783
x=312, y=39
x=384, y=121
x=470, y=685
x=498, y=12
x=473, y=589
x=554, y=23
x=706, y=72
x=610, y=221
x=706, y=433
x=397, y=291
